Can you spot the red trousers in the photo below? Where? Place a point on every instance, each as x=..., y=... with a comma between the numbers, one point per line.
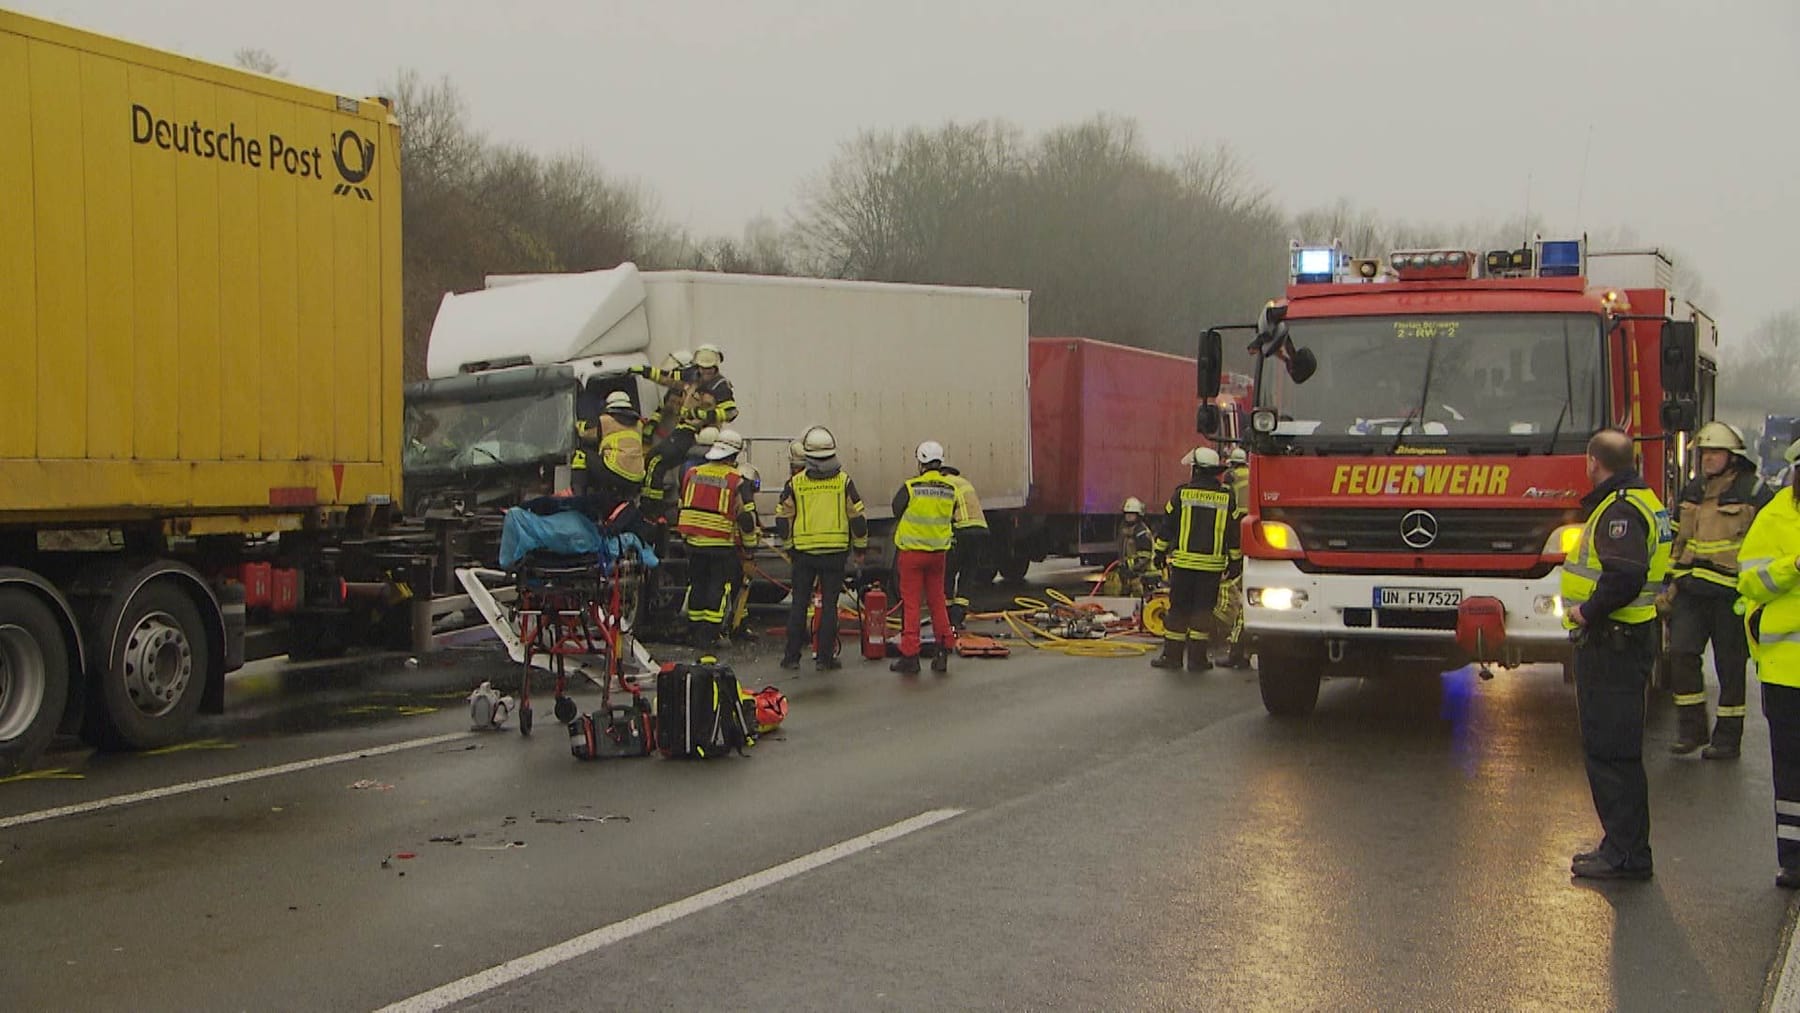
x=922, y=579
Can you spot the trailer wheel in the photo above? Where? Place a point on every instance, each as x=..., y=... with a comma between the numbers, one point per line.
x=34, y=678
x=155, y=672
x=1289, y=680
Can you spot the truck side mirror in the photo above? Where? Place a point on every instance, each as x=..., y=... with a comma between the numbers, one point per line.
x=1209, y=363
x=1208, y=420
x=1301, y=364
x=1680, y=350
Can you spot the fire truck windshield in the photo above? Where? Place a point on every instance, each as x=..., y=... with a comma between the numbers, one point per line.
x=1455, y=383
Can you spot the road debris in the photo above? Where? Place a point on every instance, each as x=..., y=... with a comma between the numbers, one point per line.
x=368, y=784
x=580, y=818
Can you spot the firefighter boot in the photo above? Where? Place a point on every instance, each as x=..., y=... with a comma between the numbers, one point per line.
x=1171, y=655
x=1726, y=737
x=905, y=665
x=1690, y=728
x=1199, y=657
x=940, y=662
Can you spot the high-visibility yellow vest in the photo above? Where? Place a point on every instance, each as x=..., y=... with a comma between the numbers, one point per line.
x=621, y=449
x=1581, y=571
x=925, y=527
x=822, y=512
x=1770, y=584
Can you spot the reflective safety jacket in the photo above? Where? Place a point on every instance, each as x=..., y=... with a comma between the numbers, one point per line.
x=712, y=403
x=1240, y=488
x=1710, y=523
x=1200, y=530
x=821, y=512
x=1769, y=580
x=1627, y=530
x=925, y=507
x=716, y=511
x=1137, y=547
x=968, y=513
x=622, y=448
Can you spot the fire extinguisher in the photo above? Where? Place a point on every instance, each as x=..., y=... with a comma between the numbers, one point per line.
x=874, y=622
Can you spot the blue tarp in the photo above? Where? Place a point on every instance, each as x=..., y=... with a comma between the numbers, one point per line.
x=569, y=533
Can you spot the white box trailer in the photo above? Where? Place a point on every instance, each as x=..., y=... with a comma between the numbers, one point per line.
x=883, y=366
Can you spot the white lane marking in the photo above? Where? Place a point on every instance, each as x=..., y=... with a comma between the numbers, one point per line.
x=44, y=815
x=1787, y=988
x=582, y=945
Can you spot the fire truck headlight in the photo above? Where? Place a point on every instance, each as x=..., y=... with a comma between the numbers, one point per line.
x=1280, y=598
x=1263, y=420
x=1563, y=541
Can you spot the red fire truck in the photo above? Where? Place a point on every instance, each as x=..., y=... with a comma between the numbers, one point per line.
x=1417, y=444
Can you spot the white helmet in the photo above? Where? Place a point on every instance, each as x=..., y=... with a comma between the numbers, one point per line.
x=618, y=401
x=1133, y=505
x=930, y=452
x=678, y=360
x=728, y=445
x=1237, y=456
x=706, y=437
x=708, y=356
x=819, y=443
x=796, y=455
x=1201, y=457
x=751, y=475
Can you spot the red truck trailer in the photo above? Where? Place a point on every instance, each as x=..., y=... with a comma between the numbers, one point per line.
x=1107, y=422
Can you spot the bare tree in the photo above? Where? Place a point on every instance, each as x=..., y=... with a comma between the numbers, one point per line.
x=259, y=60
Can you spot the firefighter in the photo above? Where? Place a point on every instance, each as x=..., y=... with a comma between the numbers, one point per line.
x=676, y=377
x=712, y=402
x=1199, y=542
x=820, y=521
x=621, y=447
x=715, y=517
x=925, y=510
x=1231, y=595
x=796, y=458
x=1700, y=595
x=737, y=623
x=1769, y=580
x=1137, y=550
x=968, y=547
x=1609, y=590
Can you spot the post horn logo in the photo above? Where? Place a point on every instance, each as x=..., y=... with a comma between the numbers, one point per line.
x=361, y=162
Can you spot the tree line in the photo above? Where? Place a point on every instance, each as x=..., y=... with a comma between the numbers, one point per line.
x=1113, y=241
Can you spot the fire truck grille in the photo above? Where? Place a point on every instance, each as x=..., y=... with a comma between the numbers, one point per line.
x=1400, y=529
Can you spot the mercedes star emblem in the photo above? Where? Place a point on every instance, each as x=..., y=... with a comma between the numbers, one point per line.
x=1418, y=529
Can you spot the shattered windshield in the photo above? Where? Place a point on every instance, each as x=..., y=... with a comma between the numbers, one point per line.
x=1443, y=380
x=456, y=436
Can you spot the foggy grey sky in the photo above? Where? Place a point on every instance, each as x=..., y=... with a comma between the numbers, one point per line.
x=1427, y=111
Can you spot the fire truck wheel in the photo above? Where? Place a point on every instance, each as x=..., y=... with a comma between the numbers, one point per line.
x=1289, y=680
x=155, y=672
x=34, y=678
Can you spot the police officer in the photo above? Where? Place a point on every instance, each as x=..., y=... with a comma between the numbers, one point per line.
x=967, y=549
x=924, y=508
x=1609, y=605
x=716, y=516
x=820, y=519
x=1769, y=580
x=1714, y=514
x=1199, y=541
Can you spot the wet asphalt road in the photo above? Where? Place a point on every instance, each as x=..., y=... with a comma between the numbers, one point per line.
x=1127, y=839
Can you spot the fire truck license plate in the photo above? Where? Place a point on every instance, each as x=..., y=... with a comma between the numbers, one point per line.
x=1417, y=597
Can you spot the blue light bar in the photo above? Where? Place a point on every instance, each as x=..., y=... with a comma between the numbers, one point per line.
x=1559, y=258
x=1315, y=265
